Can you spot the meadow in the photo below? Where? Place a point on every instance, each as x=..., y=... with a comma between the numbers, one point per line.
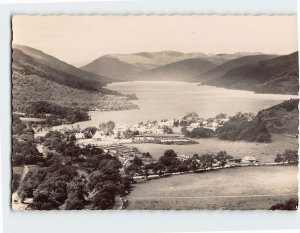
x=247, y=188
x=264, y=152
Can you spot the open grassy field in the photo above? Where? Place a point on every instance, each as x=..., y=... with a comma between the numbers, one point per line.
x=235, y=188
x=264, y=152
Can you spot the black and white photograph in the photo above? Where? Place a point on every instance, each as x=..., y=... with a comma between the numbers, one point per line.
x=154, y=112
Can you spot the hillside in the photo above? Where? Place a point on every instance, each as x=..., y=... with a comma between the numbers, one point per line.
x=276, y=75
x=225, y=67
x=111, y=67
x=138, y=66
x=37, y=76
x=32, y=61
x=124, y=66
x=184, y=70
x=281, y=118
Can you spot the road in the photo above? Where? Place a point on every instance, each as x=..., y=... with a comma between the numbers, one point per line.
x=16, y=199
x=118, y=203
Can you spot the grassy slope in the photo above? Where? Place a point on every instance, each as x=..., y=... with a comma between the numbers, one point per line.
x=111, y=67
x=228, y=182
x=184, y=70
x=31, y=61
x=225, y=67
x=32, y=88
x=277, y=75
x=264, y=152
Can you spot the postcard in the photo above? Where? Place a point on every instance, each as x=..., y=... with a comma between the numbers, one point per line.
x=154, y=112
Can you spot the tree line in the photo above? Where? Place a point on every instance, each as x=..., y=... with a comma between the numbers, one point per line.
x=170, y=162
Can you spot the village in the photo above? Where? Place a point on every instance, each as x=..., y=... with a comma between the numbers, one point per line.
x=114, y=138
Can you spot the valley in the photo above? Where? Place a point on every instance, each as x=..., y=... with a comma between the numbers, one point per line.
x=123, y=120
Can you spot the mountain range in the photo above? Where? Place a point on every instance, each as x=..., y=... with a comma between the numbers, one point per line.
x=164, y=65
x=263, y=73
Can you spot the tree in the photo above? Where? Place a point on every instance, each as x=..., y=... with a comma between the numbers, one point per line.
x=158, y=168
x=105, y=197
x=125, y=185
x=137, y=161
x=291, y=156
x=17, y=125
x=190, y=118
x=167, y=130
x=146, y=155
x=175, y=123
x=194, y=165
x=72, y=150
x=279, y=158
x=291, y=204
x=182, y=167
x=201, y=133
x=128, y=134
x=168, y=158
x=132, y=169
x=222, y=157
x=206, y=160
x=76, y=191
x=110, y=127
x=89, y=132
x=72, y=137
x=170, y=169
x=240, y=128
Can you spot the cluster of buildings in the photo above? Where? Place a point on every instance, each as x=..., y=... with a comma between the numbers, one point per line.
x=126, y=154
x=247, y=160
x=211, y=123
x=124, y=131
x=162, y=139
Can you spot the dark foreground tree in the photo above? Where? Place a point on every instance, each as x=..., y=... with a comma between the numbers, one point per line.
x=291, y=204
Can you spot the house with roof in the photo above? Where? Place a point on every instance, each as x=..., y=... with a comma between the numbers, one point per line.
x=249, y=160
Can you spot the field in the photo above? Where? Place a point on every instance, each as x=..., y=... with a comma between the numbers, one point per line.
x=235, y=188
x=264, y=152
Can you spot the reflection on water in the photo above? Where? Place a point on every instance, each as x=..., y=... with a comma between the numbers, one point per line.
x=168, y=100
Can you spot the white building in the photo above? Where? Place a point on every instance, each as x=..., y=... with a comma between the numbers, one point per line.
x=168, y=123
x=183, y=157
x=79, y=136
x=249, y=159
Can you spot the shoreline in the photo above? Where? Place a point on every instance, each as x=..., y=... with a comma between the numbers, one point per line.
x=198, y=84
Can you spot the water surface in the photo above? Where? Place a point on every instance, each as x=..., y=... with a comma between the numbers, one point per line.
x=168, y=100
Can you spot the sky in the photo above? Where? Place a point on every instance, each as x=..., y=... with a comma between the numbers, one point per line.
x=80, y=39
